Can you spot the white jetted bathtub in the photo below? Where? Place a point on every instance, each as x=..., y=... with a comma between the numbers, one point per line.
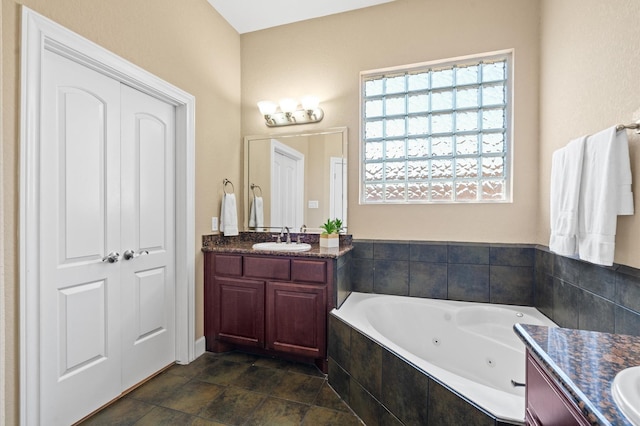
x=470, y=347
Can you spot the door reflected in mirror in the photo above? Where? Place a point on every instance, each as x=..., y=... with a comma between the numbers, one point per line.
x=295, y=180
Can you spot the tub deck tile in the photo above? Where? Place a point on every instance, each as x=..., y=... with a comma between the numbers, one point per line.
x=447, y=408
x=405, y=390
x=366, y=362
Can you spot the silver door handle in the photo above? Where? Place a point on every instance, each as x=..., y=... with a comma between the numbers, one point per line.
x=130, y=254
x=112, y=257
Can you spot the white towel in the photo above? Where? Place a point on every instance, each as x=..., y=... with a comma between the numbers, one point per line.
x=566, y=172
x=229, y=215
x=256, y=215
x=605, y=193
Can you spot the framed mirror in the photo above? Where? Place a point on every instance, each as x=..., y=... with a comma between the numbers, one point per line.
x=297, y=180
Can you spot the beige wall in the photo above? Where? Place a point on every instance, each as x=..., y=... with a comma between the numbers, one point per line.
x=184, y=42
x=590, y=69
x=325, y=56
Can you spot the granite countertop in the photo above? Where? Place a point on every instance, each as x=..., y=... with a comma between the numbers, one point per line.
x=243, y=244
x=585, y=364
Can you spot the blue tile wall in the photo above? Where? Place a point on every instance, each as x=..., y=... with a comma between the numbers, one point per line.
x=571, y=292
x=496, y=273
x=343, y=278
x=577, y=294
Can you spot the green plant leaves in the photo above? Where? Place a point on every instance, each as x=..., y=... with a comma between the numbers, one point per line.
x=332, y=226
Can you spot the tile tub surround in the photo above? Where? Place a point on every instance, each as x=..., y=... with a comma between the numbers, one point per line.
x=342, y=279
x=585, y=364
x=490, y=273
x=383, y=389
x=580, y=295
x=573, y=293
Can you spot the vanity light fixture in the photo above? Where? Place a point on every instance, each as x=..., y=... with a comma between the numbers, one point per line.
x=290, y=112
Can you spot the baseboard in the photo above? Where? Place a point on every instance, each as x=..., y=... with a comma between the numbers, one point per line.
x=200, y=346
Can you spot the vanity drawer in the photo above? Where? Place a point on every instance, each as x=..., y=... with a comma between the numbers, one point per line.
x=228, y=265
x=266, y=267
x=311, y=271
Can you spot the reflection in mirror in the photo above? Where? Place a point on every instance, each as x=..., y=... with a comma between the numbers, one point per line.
x=295, y=180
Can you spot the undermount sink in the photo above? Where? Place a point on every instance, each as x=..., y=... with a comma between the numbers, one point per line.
x=626, y=393
x=273, y=246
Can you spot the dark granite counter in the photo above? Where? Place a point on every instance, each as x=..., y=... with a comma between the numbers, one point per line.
x=243, y=244
x=584, y=363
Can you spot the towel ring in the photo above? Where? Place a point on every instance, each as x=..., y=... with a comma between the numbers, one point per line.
x=253, y=188
x=224, y=187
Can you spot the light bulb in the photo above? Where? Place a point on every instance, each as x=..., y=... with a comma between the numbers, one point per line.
x=288, y=105
x=267, y=107
x=310, y=103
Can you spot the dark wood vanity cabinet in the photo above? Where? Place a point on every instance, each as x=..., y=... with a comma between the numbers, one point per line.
x=273, y=304
x=546, y=402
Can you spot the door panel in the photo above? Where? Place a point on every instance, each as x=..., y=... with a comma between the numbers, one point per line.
x=287, y=186
x=284, y=190
x=83, y=343
x=338, y=189
x=152, y=136
x=80, y=192
x=150, y=294
x=82, y=138
x=148, y=280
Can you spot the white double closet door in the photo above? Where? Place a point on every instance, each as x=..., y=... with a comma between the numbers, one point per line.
x=107, y=181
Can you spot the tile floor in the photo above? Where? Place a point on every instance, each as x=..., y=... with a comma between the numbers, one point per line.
x=231, y=389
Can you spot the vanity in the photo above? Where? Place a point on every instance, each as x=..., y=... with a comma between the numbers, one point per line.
x=271, y=302
x=274, y=298
x=570, y=374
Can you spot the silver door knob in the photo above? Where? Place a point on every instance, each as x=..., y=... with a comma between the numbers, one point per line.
x=130, y=254
x=112, y=257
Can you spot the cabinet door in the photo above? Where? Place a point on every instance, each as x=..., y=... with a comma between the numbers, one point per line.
x=239, y=307
x=297, y=319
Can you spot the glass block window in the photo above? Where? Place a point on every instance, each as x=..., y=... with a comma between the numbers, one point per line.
x=437, y=133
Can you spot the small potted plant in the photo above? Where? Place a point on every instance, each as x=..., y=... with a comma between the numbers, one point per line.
x=330, y=236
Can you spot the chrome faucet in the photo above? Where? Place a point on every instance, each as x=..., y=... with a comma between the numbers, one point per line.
x=288, y=234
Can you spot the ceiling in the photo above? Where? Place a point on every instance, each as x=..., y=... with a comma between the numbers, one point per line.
x=253, y=15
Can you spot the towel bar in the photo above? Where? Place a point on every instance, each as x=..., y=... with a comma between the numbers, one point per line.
x=633, y=126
